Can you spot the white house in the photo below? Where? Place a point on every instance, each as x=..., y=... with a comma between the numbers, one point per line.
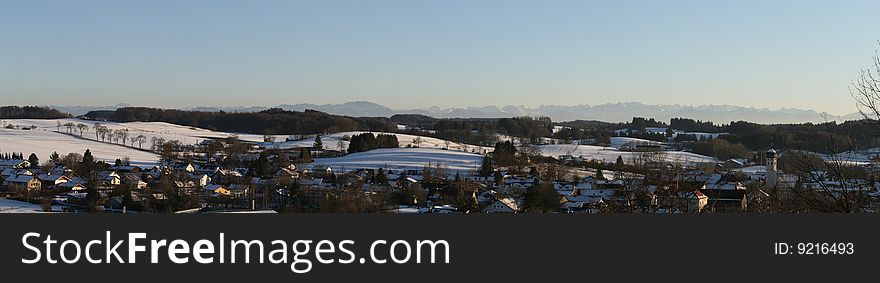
x=503, y=205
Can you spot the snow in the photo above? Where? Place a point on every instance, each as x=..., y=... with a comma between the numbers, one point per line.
x=610, y=154
x=167, y=131
x=331, y=142
x=618, y=142
x=43, y=142
x=14, y=206
x=403, y=159
x=859, y=157
x=675, y=133
x=45, y=139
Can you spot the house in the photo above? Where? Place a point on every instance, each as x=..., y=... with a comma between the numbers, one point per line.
x=185, y=186
x=14, y=164
x=203, y=180
x=503, y=205
x=134, y=181
x=519, y=183
x=734, y=163
x=481, y=179
x=726, y=200
x=110, y=178
x=226, y=175
x=216, y=190
x=286, y=173
x=239, y=190
x=183, y=167
x=577, y=202
x=12, y=172
x=207, y=169
x=125, y=168
x=23, y=183
x=695, y=201
x=74, y=185
x=50, y=181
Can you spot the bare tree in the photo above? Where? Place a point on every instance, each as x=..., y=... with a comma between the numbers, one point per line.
x=140, y=140
x=866, y=90
x=123, y=135
x=341, y=145
x=97, y=127
x=82, y=128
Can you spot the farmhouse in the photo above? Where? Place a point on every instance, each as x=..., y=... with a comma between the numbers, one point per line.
x=23, y=183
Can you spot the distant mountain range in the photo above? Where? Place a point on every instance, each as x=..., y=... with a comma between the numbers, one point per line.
x=609, y=112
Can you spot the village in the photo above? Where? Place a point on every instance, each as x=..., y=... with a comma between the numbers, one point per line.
x=231, y=175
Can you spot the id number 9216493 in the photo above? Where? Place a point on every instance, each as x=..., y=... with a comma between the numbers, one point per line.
x=813, y=248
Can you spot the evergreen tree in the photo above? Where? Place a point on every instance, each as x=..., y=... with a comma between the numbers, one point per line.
x=55, y=158
x=318, y=145
x=541, y=198
x=486, y=168
x=86, y=169
x=34, y=160
x=263, y=167
x=381, y=178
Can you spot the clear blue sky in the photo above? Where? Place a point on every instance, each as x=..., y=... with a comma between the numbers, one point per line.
x=796, y=54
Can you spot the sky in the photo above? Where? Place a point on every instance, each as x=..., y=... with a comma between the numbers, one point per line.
x=450, y=53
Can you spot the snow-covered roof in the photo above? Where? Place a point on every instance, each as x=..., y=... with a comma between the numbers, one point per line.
x=20, y=179
x=11, y=162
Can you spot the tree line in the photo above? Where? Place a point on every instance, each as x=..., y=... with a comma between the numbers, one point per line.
x=368, y=141
x=31, y=112
x=271, y=121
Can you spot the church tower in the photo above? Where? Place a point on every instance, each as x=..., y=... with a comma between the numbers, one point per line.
x=772, y=174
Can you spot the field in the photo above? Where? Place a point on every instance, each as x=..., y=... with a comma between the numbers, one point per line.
x=14, y=206
x=610, y=154
x=404, y=159
x=43, y=142
x=46, y=138
x=331, y=142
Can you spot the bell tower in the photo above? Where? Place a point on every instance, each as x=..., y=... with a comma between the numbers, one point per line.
x=771, y=164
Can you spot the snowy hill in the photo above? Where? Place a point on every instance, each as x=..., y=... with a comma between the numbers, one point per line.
x=43, y=142
x=45, y=139
x=331, y=142
x=610, y=154
x=403, y=159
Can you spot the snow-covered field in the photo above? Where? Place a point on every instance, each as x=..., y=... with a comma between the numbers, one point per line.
x=43, y=142
x=860, y=157
x=403, y=159
x=192, y=135
x=610, y=154
x=331, y=142
x=618, y=142
x=675, y=133
x=167, y=131
x=14, y=206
